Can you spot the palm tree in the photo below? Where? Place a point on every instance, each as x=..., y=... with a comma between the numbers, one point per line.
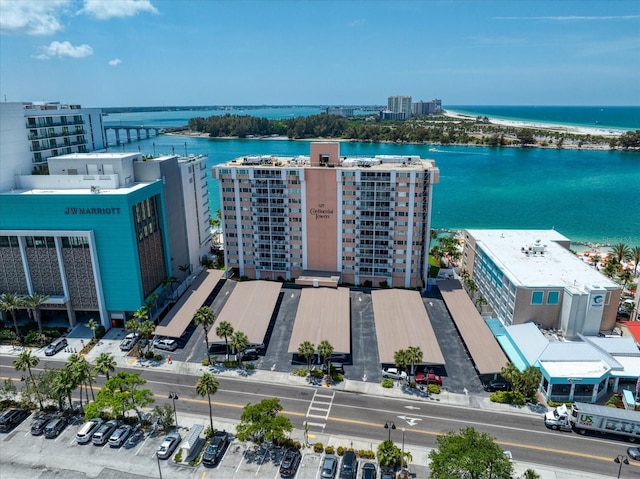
x=105, y=364
x=620, y=252
x=401, y=358
x=92, y=324
x=25, y=362
x=224, y=330
x=239, y=341
x=63, y=385
x=204, y=317
x=415, y=356
x=595, y=260
x=145, y=330
x=530, y=474
x=33, y=303
x=325, y=349
x=84, y=373
x=206, y=386
x=307, y=350
x=9, y=303
x=76, y=372
x=635, y=257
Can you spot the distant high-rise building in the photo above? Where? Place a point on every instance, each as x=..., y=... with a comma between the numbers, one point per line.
x=427, y=107
x=32, y=132
x=399, y=104
x=340, y=111
x=363, y=221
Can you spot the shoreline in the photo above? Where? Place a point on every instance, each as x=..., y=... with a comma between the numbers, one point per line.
x=551, y=127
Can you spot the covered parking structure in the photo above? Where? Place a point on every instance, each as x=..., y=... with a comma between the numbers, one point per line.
x=249, y=309
x=177, y=321
x=486, y=353
x=323, y=314
x=402, y=321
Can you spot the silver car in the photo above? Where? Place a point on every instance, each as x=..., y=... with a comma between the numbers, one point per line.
x=169, y=445
x=120, y=435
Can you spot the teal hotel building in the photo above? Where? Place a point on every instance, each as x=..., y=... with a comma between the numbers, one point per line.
x=95, y=235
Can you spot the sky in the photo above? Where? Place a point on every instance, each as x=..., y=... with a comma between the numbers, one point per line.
x=108, y=53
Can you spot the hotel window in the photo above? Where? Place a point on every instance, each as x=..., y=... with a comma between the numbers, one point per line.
x=553, y=297
x=537, y=297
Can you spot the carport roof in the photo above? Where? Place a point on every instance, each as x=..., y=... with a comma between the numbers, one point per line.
x=323, y=313
x=249, y=309
x=402, y=321
x=485, y=350
x=177, y=321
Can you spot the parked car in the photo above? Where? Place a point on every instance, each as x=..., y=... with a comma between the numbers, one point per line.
x=387, y=473
x=329, y=466
x=393, y=373
x=290, y=462
x=120, y=435
x=54, y=427
x=249, y=354
x=103, y=433
x=85, y=433
x=497, y=385
x=428, y=378
x=134, y=439
x=349, y=466
x=634, y=453
x=215, y=449
x=167, y=344
x=11, y=418
x=169, y=445
x=37, y=428
x=333, y=357
x=369, y=470
x=337, y=367
x=129, y=341
x=56, y=346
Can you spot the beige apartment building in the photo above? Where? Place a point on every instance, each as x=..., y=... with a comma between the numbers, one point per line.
x=324, y=219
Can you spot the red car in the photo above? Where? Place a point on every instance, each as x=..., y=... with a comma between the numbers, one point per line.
x=428, y=378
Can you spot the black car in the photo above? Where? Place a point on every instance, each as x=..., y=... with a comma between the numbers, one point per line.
x=497, y=385
x=37, y=428
x=134, y=439
x=369, y=471
x=215, y=449
x=290, y=463
x=11, y=418
x=387, y=473
x=249, y=354
x=55, y=427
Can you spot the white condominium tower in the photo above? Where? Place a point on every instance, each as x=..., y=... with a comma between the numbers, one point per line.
x=362, y=221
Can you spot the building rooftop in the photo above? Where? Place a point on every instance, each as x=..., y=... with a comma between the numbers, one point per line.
x=378, y=162
x=125, y=190
x=534, y=258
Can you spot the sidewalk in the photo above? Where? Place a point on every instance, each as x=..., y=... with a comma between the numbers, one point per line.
x=110, y=344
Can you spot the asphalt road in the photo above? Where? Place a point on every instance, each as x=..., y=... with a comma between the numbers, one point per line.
x=363, y=416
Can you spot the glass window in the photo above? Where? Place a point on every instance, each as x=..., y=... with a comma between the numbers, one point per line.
x=553, y=297
x=537, y=297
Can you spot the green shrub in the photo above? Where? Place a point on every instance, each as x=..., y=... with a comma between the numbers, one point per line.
x=249, y=366
x=100, y=331
x=157, y=357
x=341, y=450
x=149, y=355
x=7, y=335
x=178, y=457
x=33, y=337
x=230, y=364
x=508, y=397
x=205, y=362
x=433, y=389
x=366, y=454
x=318, y=447
x=329, y=450
x=337, y=377
x=387, y=383
x=317, y=374
x=301, y=372
x=556, y=404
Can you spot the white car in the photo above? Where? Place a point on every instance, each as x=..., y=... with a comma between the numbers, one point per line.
x=129, y=341
x=393, y=373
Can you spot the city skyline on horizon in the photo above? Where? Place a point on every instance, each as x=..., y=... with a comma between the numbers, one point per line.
x=149, y=53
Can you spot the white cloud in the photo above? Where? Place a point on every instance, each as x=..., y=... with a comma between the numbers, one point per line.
x=573, y=18
x=115, y=62
x=105, y=9
x=64, y=50
x=357, y=23
x=37, y=17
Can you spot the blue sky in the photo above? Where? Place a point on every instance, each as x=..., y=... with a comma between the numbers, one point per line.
x=163, y=52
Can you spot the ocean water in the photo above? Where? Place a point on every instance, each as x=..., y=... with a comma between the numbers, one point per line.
x=589, y=196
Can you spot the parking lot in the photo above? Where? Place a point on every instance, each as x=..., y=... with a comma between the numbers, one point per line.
x=64, y=457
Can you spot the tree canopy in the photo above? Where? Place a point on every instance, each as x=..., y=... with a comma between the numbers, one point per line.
x=469, y=454
x=262, y=422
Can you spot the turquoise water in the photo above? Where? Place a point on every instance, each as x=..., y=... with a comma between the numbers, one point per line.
x=589, y=196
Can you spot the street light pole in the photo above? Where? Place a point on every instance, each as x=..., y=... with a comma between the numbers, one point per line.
x=389, y=425
x=402, y=457
x=621, y=459
x=159, y=469
x=173, y=396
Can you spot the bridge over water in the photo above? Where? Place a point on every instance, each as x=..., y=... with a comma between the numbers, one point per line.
x=137, y=132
